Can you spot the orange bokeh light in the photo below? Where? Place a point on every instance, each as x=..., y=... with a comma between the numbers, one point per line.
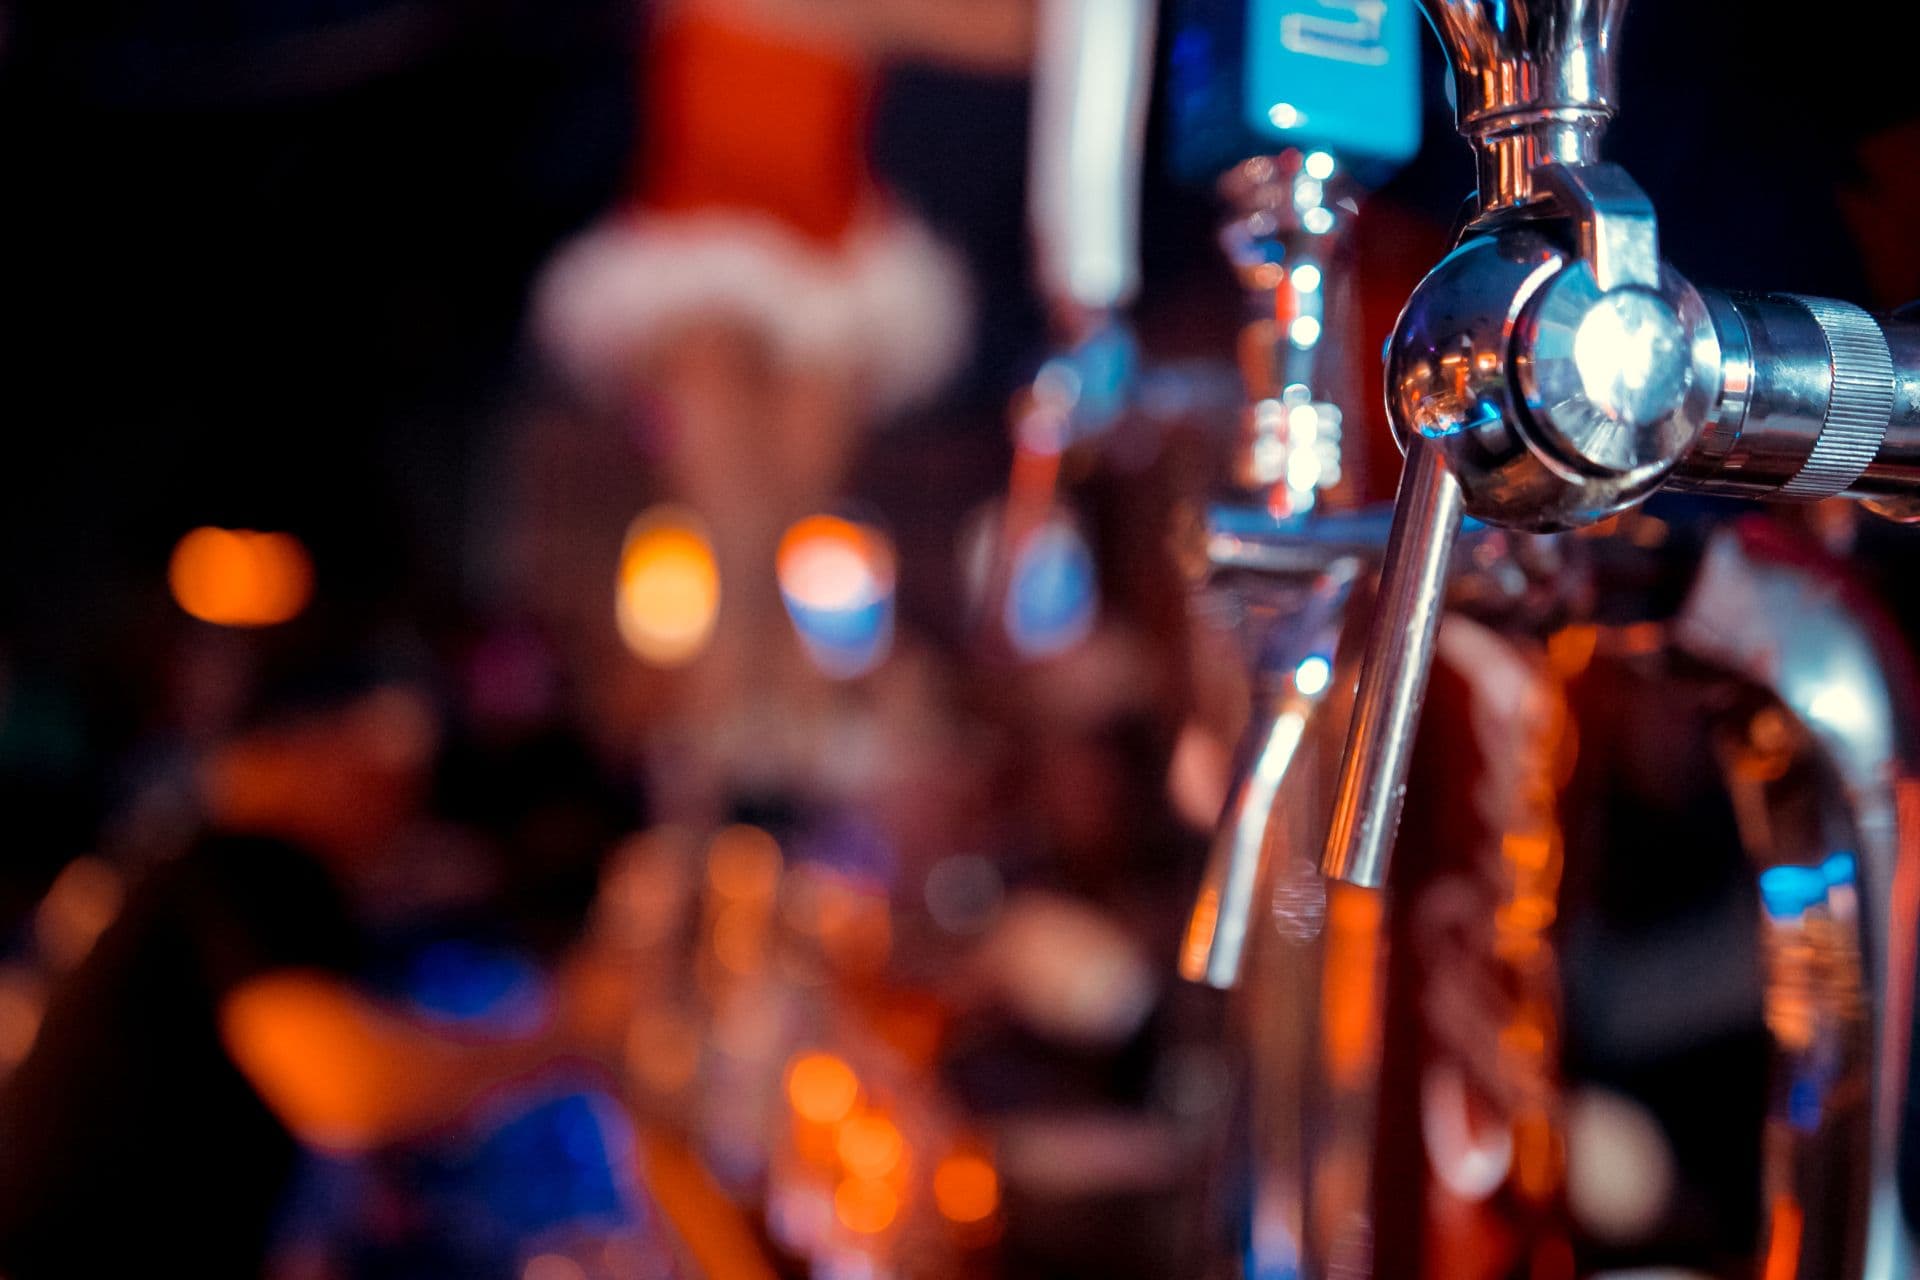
x=870, y=1145
x=822, y=1088
x=740, y=938
x=240, y=578
x=743, y=864
x=1349, y=1012
x=865, y=1206
x=966, y=1188
x=668, y=595
x=826, y=562
x=1786, y=1224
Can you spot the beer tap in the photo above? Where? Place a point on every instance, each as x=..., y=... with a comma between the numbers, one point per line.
x=1552, y=370
x=1291, y=109
x=1093, y=66
x=1093, y=63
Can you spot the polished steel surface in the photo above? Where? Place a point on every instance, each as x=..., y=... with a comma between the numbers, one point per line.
x=1373, y=773
x=1507, y=165
x=1558, y=380
x=1486, y=364
x=1891, y=484
x=1792, y=631
x=1603, y=375
x=1533, y=84
x=1311, y=1008
x=1811, y=398
x=1094, y=63
x=1291, y=217
x=1618, y=234
x=1291, y=214
x=1860, y=404
x=1296, y=673
x=1513, y=59
x=1310, y=1134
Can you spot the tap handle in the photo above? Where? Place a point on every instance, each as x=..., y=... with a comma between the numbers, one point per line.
x=1093, y=68
x=1393, y=682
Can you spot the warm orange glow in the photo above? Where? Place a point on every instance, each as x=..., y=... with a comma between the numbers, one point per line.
x=1903, y=914
x=740, y=938
x=865, y=1206
x=240, y=578
x=1350, y=980
x=856, y=928
x=1570, y=650
x=1784, y=1227
x=1529, y=913
x=1638, y=639
x=870, y=1145
x=21, y=1002
x=1529, y=851
x=663, y=1051
x=1199, y=940
x=822, y=1088
x=320, y=1063
x=82, y=902
x=966, y=1188
x=1537, y=1158
x=668, y=594
x=743, y=864
x=837, y=581
x=829, y=563
x=710, y=1226
x=1523, y=1039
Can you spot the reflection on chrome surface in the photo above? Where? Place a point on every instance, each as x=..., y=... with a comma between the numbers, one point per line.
x=1839, y=916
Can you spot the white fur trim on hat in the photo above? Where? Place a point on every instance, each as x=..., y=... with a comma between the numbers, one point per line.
x=891, y=305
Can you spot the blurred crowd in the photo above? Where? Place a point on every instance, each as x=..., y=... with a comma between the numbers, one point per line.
x=533, y=739
x=525, y=752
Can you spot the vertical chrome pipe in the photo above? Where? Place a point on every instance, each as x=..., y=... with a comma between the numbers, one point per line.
x=1393, y=683
x=1292, y=214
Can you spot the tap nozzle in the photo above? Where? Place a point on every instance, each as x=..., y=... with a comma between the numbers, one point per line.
x=1549, y=372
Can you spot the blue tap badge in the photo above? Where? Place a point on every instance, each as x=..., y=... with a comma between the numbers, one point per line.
x=1342, y=75
x=1252, y=77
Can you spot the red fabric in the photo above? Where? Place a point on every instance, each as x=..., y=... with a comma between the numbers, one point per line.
x=749, y=121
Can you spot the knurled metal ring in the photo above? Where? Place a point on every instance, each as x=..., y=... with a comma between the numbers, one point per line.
x=1859, y=408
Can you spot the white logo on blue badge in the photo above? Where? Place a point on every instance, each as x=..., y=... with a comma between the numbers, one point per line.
x=1341, y=75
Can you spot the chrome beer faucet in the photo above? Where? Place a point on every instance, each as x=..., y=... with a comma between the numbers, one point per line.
x=1552, y=370
x=1292, y=214
x=1291, y=109
x=1289, y=217
x=1299, y=106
